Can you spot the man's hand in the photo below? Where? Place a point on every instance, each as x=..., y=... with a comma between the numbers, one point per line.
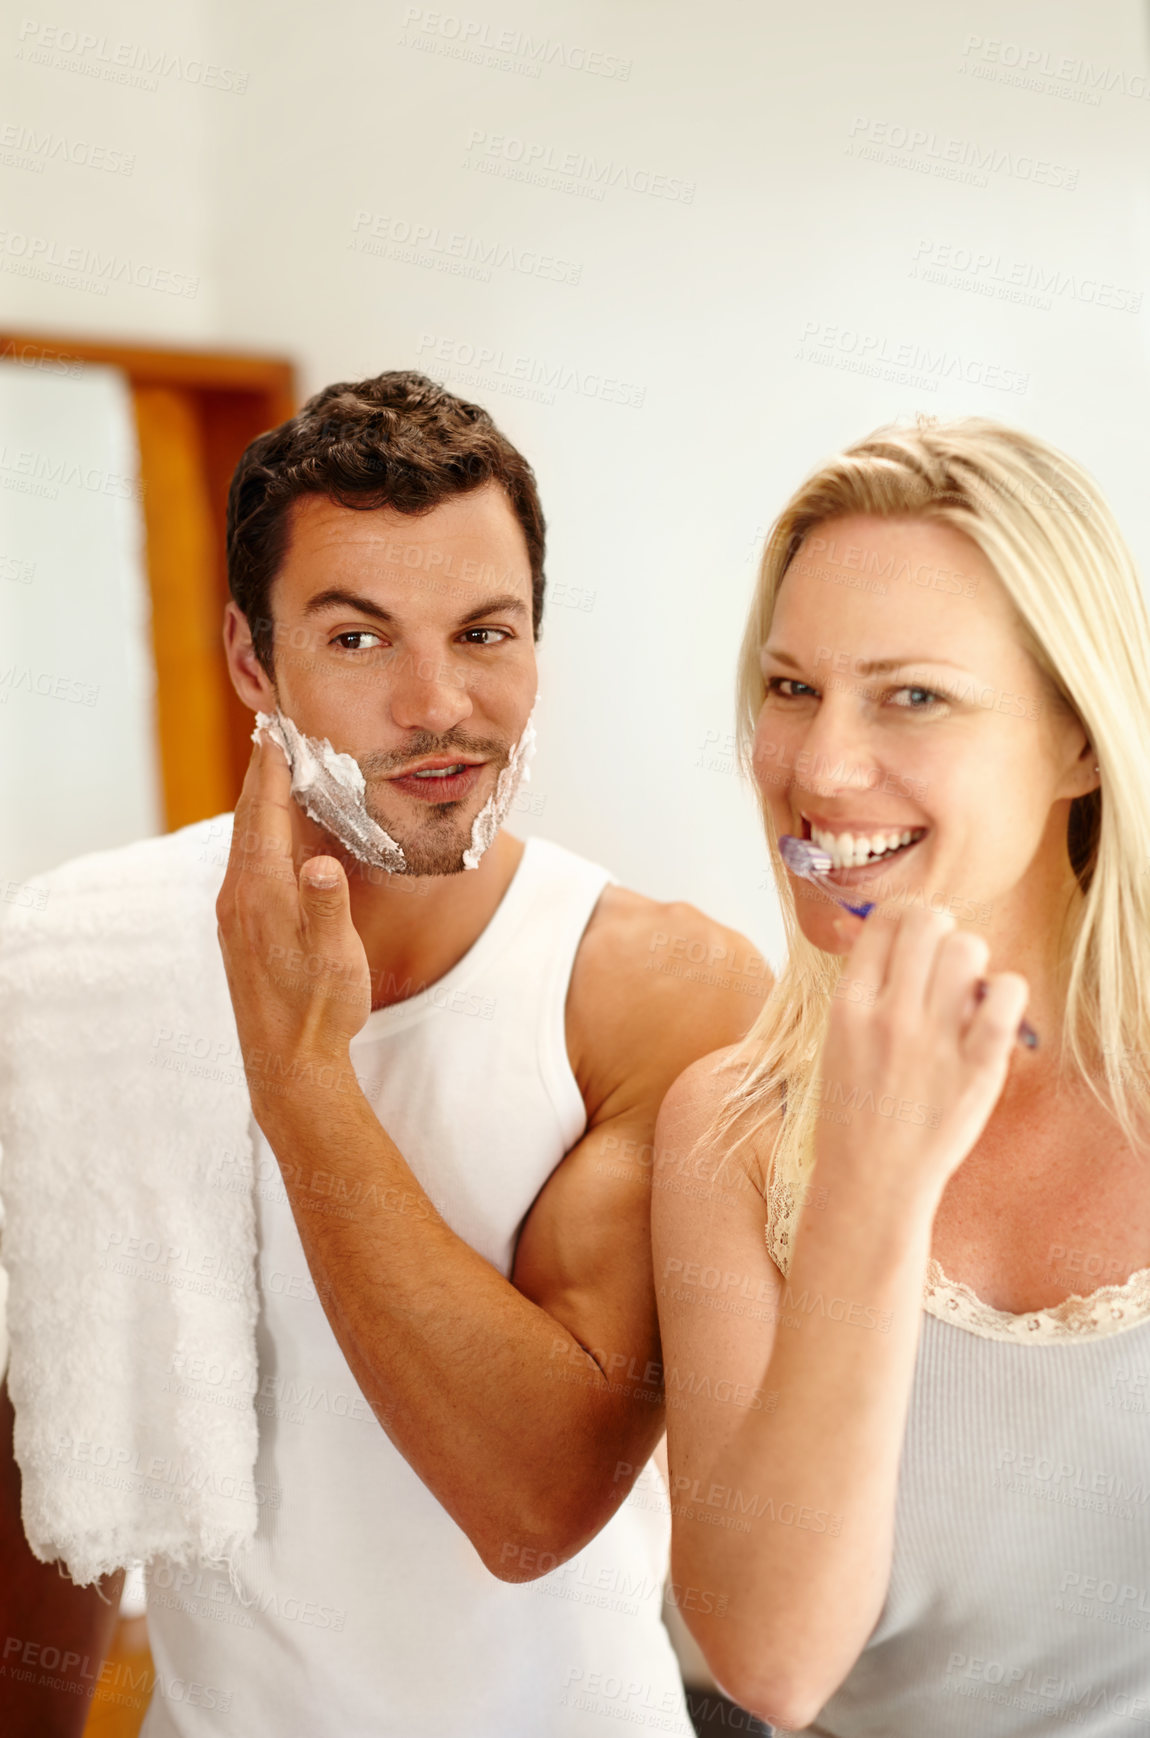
x=298, y=974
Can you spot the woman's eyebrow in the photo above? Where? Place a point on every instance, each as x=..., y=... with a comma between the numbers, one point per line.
x=884, y=666
x=870, y=667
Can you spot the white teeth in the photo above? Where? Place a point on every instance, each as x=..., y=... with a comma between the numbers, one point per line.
x=851, y=850
x=437, y=772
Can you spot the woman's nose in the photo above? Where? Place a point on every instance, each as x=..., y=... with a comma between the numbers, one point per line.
x=835, y=753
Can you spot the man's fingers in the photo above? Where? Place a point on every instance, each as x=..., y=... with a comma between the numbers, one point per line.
x=262, y=828
x=322, y=873
x=325, y=900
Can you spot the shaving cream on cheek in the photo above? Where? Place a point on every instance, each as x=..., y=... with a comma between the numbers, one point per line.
x=330, y=788
x=498, y=805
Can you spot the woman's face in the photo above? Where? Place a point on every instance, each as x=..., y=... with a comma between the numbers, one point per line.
x=907, y=730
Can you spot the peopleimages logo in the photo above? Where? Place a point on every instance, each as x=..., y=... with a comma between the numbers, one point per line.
x=924, y=366
x=41, y=256
x=1065, y=75
x=568, y=171
x=17, y=678
x=929, y=153
x=25, y=148
x=130, y=63
x=988, y=273
x=56, y=473
x=454, y=251
x=506, y=49
x=496, y=370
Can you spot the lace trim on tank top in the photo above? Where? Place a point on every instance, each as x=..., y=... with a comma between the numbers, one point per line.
x=1109, y=1310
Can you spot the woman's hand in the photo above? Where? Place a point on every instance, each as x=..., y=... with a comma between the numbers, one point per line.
x=911, y=1051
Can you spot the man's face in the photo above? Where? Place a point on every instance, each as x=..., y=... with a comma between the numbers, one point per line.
x=407, y=642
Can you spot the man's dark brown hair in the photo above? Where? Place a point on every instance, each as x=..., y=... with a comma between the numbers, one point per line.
x=397, y=440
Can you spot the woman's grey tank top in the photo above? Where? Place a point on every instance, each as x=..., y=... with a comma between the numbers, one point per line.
x=1019, y=1601
x=1019, y=1597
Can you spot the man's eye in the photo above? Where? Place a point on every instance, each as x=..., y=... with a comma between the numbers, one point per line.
x=494, y=635
x=783, y=687
x=353, y=640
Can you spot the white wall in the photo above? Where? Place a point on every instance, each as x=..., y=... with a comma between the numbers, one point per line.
x=109, y=201
x=741, y=313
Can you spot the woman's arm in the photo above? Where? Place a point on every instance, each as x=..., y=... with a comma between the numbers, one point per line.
x=783, y=1510
x=784, y=1459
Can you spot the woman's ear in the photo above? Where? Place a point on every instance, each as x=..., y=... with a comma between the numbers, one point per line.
x=1085, y=772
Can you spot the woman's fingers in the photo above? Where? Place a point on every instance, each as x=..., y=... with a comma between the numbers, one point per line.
x=920, y=974
x=923, y=1039
x=919, y=942
x=865, y=968
x=959, y=963
x=993, y=1028
x=893, y=965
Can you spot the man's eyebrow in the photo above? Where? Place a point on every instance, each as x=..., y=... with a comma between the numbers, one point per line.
x=346, y=600
x=336, y=597
x=506, y=604
x=350, y=600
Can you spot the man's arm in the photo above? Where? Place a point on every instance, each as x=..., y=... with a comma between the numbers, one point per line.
x=527, y=1406
x=584, y=1253
x=515, y=1401
x=44, y=1616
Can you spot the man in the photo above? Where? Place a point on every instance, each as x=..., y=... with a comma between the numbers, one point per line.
x=454, y=1047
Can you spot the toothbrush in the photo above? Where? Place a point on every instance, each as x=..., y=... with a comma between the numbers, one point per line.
x=803, y=857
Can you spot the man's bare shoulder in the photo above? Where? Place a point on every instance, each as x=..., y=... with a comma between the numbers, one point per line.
x=656, y=986
x=673, y=949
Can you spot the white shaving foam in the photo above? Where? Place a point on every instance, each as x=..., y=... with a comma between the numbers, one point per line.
x=497, y=807
x=330, y=788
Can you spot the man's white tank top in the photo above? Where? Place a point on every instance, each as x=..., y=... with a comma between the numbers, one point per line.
x=365, y=1608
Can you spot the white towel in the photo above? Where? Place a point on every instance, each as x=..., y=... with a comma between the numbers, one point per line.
x=129, y=1227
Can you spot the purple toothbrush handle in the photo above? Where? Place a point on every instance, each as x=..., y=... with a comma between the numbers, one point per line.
x=1026, y=1033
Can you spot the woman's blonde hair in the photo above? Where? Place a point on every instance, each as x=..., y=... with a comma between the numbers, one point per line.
x=1045, y=529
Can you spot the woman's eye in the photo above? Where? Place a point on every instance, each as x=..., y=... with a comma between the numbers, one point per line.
x=473, y=636
x=926, y=698
x=781, y=684
x=353, y=640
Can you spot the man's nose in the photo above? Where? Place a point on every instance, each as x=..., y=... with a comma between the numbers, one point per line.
x=427, y=693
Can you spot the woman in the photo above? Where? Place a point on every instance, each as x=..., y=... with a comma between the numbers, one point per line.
x=910, y=1461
